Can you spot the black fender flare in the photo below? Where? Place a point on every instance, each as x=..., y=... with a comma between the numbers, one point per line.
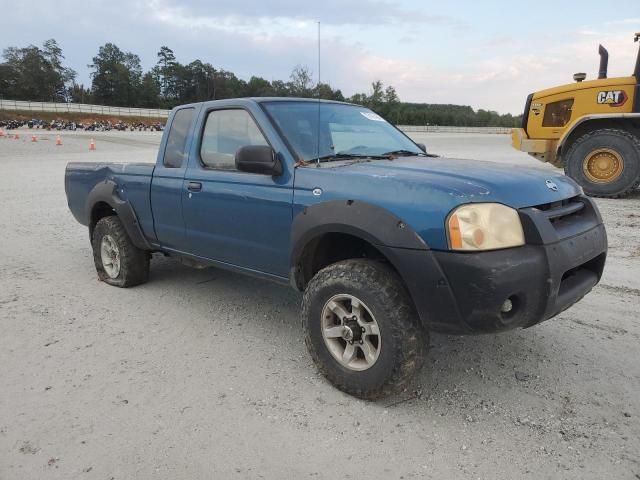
x=108, y=192
x=369, y=222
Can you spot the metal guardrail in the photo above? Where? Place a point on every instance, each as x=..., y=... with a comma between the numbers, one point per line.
x=19, y=105
x=445, y=129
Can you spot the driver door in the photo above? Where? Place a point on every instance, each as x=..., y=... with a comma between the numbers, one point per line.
x=238, y=218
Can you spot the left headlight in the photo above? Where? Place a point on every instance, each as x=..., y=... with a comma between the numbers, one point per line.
x=484, y=226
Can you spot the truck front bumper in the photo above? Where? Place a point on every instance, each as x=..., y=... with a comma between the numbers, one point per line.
x=483, y=292
x=542, y=149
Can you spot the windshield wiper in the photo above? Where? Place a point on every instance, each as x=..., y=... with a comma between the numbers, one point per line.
x=403, y=153
x=346, y=156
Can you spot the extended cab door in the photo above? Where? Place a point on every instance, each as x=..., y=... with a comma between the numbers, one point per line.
x=239, y=218
x=167, y=181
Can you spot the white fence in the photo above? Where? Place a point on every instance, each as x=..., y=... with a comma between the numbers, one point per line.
x=81, y=108
x=444, y=129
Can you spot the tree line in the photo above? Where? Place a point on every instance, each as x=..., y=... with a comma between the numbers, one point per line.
x=117, y=79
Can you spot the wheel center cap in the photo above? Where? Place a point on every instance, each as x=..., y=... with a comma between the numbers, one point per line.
x=351, y=331
x=347, y=333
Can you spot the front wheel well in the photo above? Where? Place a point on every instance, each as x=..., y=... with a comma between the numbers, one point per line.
x=330, y=248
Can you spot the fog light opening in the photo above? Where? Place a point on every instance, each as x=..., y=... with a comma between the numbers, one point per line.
x=507, y=306
x=509, y=309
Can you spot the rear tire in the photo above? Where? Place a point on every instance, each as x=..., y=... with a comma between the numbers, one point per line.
x=606, y=162
x=118, y=261
x=373, y=299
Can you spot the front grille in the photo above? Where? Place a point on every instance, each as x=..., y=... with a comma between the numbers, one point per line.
x=550, y=222
x=562, y=210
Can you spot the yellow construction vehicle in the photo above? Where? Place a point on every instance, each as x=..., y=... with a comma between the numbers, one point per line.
x=589, y=128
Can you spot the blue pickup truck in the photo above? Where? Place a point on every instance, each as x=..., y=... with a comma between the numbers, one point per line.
x=386, y=241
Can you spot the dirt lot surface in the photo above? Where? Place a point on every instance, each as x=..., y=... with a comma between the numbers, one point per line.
x=203, y=373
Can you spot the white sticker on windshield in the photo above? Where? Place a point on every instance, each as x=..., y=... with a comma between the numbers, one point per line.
x=372, y=116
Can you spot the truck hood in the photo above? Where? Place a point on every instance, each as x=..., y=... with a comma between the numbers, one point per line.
x=423, y=191
x=469, y=180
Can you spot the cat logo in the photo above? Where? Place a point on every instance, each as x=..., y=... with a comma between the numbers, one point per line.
x=613, y=98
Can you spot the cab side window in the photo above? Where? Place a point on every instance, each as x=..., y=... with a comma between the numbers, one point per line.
x=225, y=132
x=175, y=153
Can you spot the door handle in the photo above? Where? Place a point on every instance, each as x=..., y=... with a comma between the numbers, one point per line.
x=194, y=186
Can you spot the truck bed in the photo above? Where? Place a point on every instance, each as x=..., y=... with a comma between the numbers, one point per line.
x=133, y=181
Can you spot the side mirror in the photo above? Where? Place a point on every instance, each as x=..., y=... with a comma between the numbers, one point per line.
x=422, y=147
x=258, y=159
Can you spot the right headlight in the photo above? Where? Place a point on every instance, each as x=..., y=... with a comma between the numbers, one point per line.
x=484, y=226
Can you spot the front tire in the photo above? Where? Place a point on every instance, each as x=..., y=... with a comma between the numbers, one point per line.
x=606, y=162
x=361, y=328
x=118, y=261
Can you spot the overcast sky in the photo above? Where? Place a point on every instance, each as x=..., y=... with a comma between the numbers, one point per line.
x=481, y=53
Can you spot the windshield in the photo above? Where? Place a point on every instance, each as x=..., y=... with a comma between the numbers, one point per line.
x=344, y=130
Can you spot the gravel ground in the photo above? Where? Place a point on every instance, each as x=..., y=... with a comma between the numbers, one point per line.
x=203, y=373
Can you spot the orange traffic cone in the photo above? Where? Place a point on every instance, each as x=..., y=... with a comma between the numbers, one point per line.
x=92, y=145
x=33, y=138
x=16, y=136
x=59, y=141
x=1, y=133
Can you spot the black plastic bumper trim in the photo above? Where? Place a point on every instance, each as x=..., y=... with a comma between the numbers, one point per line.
x=463, y=293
